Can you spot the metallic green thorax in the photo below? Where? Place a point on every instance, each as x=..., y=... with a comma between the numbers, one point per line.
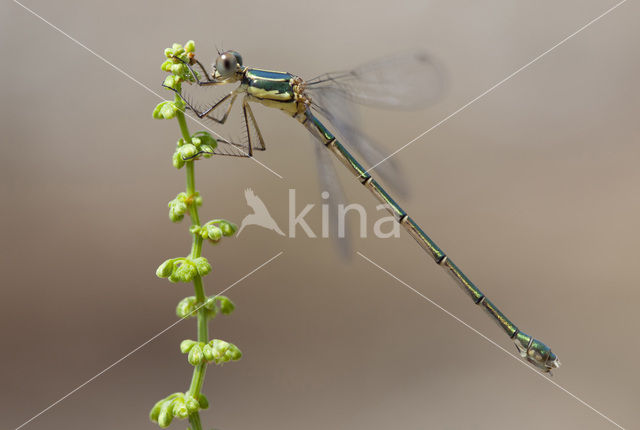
x=269, y=85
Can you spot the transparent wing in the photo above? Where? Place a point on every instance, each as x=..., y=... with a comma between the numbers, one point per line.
x=328, y=181
x=402, y=81
x=330, y=103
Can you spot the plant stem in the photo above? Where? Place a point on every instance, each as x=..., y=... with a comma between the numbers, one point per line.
x=196, y=250
x=198, y=372
x=195, y=421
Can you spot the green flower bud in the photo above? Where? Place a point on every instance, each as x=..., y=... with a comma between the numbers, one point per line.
x=168, y=52
x=226, y=305
x=194, y=229
x=186, y=345
x=204, y=136
x=176, y=210
x=168, y=110
x=196, y=141
x=204, y=234
x=203, y=401
x=214, y=232
x=207, y=151
x=180, y=409
x=234, y=353
x=178, y=68
x=220, y=346
x=202, y=266
x=188, y=150
x=166, y=66
x=175, y=217
x=197, y=199
x=206, y=139
x=224, y=351
x=180, y=142
x=170, y=81
x=210, y=303
x=185, y=307
x=157, y=109
x=186, y=271
x=177, y=49
x=165, y=269
x=191, y=404
x=155, y=410
x=190, y=46
x=228, y=228
x=165, y=417
x=177, y=160
x=195, y=355
x=207, y=351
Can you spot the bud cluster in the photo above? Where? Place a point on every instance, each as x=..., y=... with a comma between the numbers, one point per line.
x=216, y=350
x=179, y=206
x=214, y=230
x=188, y=306
x=183, y=269
x=177, y=58
x=202, y=143
x=178, y=405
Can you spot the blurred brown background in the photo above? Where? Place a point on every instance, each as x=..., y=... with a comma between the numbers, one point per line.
x=533, y=191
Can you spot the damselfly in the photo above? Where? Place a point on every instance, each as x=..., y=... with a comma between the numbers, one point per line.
x=403, y=81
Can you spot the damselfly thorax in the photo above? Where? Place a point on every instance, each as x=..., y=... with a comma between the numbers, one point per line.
x=279, y=90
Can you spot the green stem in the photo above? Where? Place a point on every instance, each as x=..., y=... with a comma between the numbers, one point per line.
x=203, y=336
x=195, y=421
x=196, y=250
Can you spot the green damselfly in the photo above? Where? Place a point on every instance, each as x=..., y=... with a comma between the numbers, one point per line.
x=402, y=81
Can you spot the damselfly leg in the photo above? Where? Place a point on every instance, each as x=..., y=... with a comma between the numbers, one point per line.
x=254, y=136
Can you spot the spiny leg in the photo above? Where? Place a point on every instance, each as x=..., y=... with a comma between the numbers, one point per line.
x=251, y=126
x=233, y=95
x=204, y=71
x=227, y=148
x=209, y=81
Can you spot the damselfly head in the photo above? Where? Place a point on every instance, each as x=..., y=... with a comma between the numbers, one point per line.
x=227, y=66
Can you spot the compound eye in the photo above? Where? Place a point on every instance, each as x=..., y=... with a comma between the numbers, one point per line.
x=226, y=65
